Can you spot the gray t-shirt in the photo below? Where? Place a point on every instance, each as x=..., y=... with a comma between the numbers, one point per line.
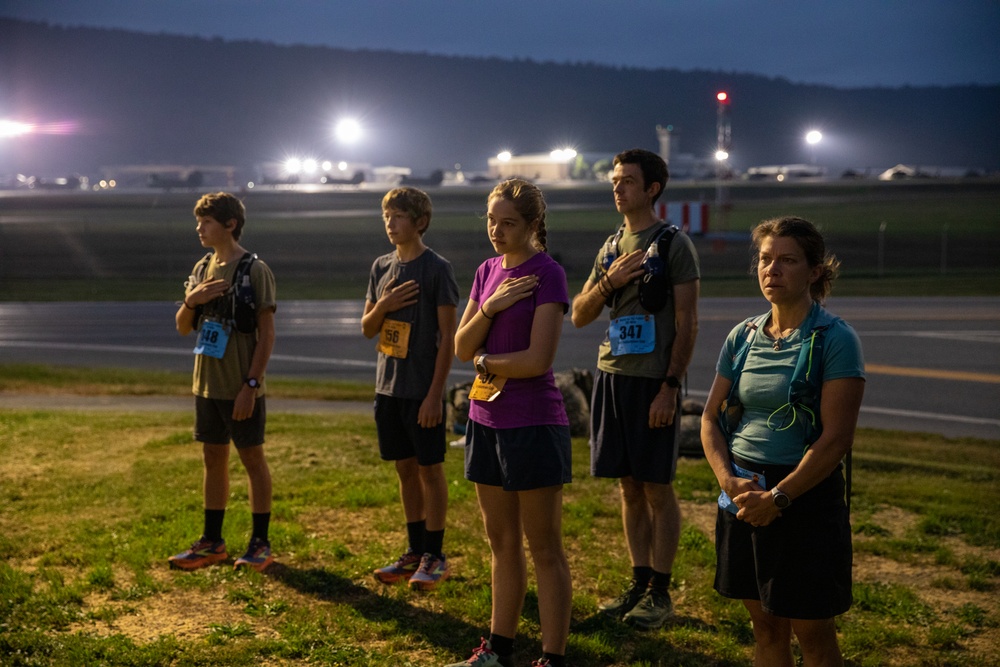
x=411, y=377
x=684, y=267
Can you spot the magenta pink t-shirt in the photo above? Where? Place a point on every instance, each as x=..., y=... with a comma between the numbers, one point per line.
x=532, y=401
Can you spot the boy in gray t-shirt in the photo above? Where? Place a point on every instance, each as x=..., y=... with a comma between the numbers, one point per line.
x=411, y=307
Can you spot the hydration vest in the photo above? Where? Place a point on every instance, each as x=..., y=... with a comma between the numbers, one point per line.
x=655, y=287
x=804, y=390
x=807, y=379
x=238, y=305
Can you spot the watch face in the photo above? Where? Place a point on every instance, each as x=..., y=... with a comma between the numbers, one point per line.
x=781, y=501
x=253, y=383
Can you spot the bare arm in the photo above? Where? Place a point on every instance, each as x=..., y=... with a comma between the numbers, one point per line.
x=662, y=411
x=714, y=442
x=430, y=412
x=393, y=298
x=243, y=407
x=546, y=327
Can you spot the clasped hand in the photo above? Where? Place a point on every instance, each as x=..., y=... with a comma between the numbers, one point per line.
x=756, y=506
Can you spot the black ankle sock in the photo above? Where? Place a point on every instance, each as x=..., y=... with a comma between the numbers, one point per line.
x=261, y=523
x=416, y=532
x=213, y=524
x=555, y=660
x=660, y=582
x=503, y=647
x=433, y=541
x=641, y=575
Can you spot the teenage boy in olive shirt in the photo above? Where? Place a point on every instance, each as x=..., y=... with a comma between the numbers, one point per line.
x=234, y=346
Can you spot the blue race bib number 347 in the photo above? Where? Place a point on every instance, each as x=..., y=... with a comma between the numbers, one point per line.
x=632, y=334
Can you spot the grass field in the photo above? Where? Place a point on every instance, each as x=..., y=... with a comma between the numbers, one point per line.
x=92, y=503
x=938, y=239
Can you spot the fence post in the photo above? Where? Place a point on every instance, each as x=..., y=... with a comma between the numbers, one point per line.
x=881, y=248
x=944, y=249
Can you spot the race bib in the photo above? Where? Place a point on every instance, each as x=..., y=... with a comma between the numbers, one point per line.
x=213, y=339
x=486, y=387
x=632, y=334
x=394, y=339
x=725, y=502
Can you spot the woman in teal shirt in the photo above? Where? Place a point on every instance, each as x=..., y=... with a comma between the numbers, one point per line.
x=783, y=536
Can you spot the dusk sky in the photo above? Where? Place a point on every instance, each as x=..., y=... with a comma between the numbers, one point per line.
x=842, y=43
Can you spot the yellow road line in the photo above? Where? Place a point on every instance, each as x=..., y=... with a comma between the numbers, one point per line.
x=967, y=376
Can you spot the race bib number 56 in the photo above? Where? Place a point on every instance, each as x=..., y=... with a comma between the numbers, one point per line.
x=394, y=339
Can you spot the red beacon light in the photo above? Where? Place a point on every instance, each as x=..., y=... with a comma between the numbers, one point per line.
x=723, y=97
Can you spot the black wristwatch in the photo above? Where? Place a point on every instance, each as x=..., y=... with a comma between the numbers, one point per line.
x=781, y=501
x=252, y=383
x=672, y=382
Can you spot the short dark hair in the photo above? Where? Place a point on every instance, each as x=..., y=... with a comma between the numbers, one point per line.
x=654, y=169
x=223, y=207
x=415, y=203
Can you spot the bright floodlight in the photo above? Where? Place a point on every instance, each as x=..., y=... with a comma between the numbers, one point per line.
x=309, y=166
x=348, y=130
x=563, y=154
x=504, y=156
x=721, y=155
x=327, y=165
x=814, y=137
x=293, y=165
x=13, y=128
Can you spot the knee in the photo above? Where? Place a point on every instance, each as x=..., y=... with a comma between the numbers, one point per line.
x=216, y=457
x=660, y=497
x=433, y=474
x=254, y=460
x=633, y=492
x=772, y=631
x=547, y=556
x=818, y=640
x=406, y=470
x=505, y=542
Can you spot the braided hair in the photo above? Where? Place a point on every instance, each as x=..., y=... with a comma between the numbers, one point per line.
x=529, y=202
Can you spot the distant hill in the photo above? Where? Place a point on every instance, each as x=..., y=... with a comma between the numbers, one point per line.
x=152, y=98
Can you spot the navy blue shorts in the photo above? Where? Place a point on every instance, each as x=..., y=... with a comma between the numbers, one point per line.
x=518, y=459
x=401, y=437
x=799, y=566
x=621, y=442
x=214, y=424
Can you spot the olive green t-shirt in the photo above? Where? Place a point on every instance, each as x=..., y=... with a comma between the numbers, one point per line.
x=684, y=267
x=223, y=378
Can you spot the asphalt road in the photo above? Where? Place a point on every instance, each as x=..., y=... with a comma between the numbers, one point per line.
x=933, y=363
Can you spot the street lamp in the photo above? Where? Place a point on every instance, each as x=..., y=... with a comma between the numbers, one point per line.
x=348, y=131
x=813, y=137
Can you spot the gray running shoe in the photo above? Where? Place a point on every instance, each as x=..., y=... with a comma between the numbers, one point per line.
x=652, y=611
x=484, y=656
x=621, y=605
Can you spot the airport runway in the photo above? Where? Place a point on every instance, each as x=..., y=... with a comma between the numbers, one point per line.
x=933, y=363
